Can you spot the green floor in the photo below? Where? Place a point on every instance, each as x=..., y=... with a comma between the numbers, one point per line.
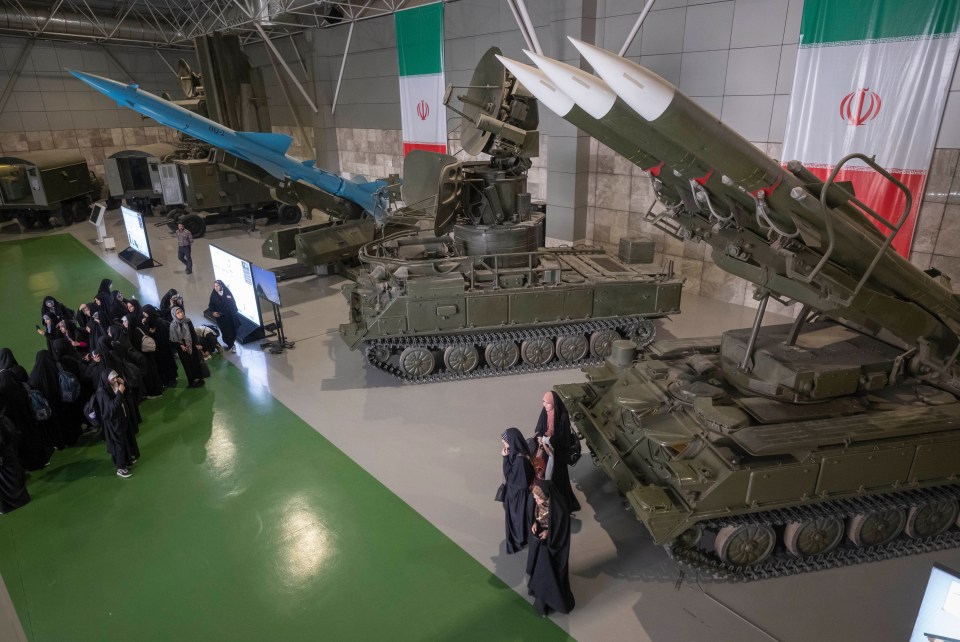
x=240, y=522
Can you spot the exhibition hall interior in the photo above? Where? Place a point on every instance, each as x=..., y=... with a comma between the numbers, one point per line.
x=480, y=319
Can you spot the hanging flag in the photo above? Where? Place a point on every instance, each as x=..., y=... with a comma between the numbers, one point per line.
x=873, y=77
x=420, y=52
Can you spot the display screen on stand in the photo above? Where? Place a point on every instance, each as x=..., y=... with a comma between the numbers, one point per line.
x=266, y=284
x=237, y=274
x=136, y=232
x=939, y=615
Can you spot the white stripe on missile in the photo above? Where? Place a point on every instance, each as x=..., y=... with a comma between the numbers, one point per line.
x=590, y=93
x=537, y=83
x=647, y=93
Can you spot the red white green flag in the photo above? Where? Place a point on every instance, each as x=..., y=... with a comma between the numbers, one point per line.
x=873, y=77
x=420, y=52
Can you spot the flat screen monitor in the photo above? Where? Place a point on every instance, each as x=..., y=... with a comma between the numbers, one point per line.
x=136, y=232
x=97, y=212
x=237, y=274
x=939, y=615
x=266, y=284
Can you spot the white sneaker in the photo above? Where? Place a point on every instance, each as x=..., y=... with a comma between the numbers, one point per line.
x=123, y=472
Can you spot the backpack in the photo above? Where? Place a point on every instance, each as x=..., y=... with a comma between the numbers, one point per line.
x=38, y=404
x=147, y=344
x=69, y=385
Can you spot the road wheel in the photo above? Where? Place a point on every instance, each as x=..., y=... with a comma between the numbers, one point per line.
x=876, y=527
x=195, y=224
x=572, y=347
x=601, y=342
x=537, y=351
x=744, y=545
x=289, y=214
x=932, y=518
x=461, y=358
x=814, y=536
x=501, y=355
x=417, y=362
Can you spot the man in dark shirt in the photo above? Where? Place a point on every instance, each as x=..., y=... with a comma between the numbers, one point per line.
x=184, y=243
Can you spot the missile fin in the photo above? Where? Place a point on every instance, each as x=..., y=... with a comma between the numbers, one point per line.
x=278, y=143
x=310, y=162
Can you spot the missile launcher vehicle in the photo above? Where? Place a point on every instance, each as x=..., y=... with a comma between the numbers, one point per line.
x=489, y=299
x=51, y=187
x=780, y=449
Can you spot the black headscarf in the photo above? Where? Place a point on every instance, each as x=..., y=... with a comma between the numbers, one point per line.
x=45, y=377
x=67, y=356
x=517, y=475
x=563, y=443
x=9, y=362
x=516, y=444
x=116, y=305
x=166, y=303
x=51, y=305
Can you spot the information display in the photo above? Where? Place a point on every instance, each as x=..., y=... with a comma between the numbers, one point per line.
x=939, y=617
x=266, y=284
x=136, y=233
x=238, y=275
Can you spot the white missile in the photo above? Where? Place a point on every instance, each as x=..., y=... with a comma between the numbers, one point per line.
x=646, y=92
x=537, y=83
x=590, y=93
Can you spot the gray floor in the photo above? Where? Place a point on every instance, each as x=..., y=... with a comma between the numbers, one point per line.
x=626, y=588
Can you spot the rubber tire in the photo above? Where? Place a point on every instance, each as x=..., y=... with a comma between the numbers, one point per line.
x=195, y=224
x=174, y=216
x=63, y=216
x=113, y=203
x=80, y=211
x=289, y=214
x=27, y=220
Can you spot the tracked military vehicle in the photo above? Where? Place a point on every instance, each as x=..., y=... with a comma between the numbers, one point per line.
x=772, y=450
x=489, y=299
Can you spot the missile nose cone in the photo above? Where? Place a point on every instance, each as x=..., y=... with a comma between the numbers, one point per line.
x=101, y=84
x=537, y=83
x=647, y=93
x=590, y=93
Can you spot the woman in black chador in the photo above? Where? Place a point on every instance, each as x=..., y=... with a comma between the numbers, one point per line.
x=34, y=447
x=13, y=478
x=119, y=419
x=549, y=556
x=224, y=309
x=166, y=304
x=55, y=308
x=9, y=362
x=159, y=331
x=60, y=428
x=553, y=428
x=517, y=475
x=183, y=339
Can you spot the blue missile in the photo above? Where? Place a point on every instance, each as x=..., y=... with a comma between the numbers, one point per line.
x=266, y=150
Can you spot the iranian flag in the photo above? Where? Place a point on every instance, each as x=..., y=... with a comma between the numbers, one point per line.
x=420, y=52
x=872, y=77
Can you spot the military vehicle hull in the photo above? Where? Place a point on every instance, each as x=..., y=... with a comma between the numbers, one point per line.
x=461, y=317
x=749, y=487
x=47, y=186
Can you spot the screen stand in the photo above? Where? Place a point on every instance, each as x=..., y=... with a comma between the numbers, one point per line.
x=281, y=344
x=136, y=260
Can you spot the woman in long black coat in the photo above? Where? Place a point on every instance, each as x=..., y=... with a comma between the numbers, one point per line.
x=549, y=557
x=183, y=339
x=166, y=358
x=9, y=362
x=517, y=475
x=69, y=359
x=554, y=422
x=152, y=385
x=224, y=309
x=13, y=478
x=61, y=428
x=119, y=419
x=166, y=304
x=34, y=447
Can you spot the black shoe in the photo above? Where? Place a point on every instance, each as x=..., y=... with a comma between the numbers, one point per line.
x=189, y=271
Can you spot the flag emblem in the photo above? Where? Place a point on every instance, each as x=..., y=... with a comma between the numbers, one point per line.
x=860, y=106
x=423, y=109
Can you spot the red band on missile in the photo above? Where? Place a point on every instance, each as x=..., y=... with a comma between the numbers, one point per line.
x=767, y=191
x=657, y=169
x=703, y=179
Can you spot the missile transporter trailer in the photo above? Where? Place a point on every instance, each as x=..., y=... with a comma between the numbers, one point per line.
x=489, y=299
x=773, y=450
x=53, y=187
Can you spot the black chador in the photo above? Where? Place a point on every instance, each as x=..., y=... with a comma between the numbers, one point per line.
x=549, y=556
x=35, y=450
x=63, y=427
x=224, y=309
x=555, y=422
x=119, y=419
x=13, y=478
x=159, y=331
x=517, y=475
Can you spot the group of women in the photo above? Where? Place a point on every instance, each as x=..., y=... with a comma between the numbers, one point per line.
x=117, y=354
x=538, y=501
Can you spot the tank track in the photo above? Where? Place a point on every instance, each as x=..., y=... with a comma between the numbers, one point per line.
x=639, y=329
x=782, y=563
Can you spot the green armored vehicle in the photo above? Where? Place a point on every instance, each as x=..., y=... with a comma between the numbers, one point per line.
x=43, y=187
x=489, y=299
x=772, y=450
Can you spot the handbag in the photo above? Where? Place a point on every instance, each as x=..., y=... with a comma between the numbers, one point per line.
x=204, y=368
x=147, y=344
x=501, y=493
